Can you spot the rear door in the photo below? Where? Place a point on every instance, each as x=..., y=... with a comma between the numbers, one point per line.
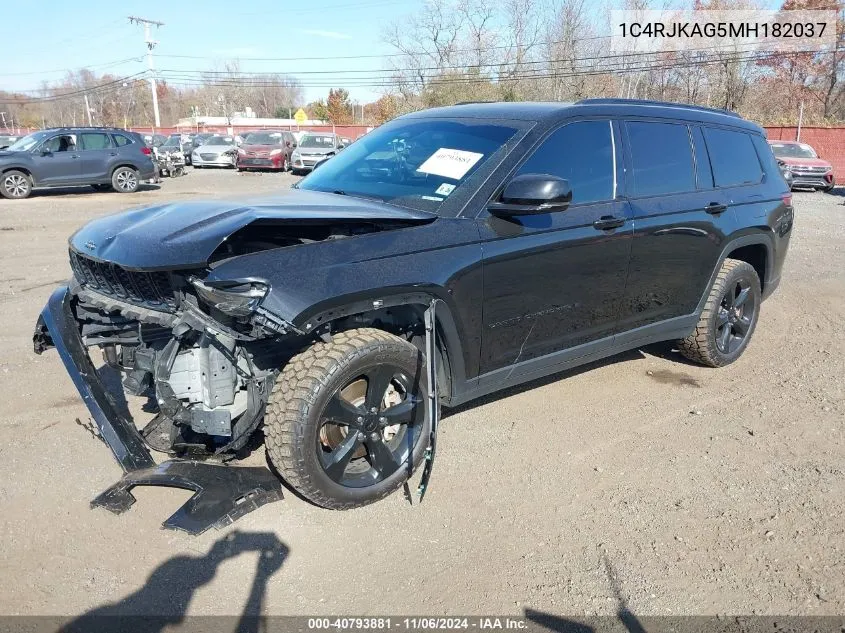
x=56, y=161
x=554, y=281
x=98, y=153
x=680, y=220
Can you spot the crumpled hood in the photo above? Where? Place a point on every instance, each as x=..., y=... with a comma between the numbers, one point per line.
x=185, y=234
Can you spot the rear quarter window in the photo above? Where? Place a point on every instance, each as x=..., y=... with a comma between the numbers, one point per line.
x=732, y=157
x=121, y=140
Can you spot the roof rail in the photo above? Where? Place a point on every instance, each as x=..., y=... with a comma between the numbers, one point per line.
x=650, y=102
x=473, y=102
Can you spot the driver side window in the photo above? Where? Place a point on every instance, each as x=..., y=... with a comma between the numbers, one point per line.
x=60, y=143
x=581, y=153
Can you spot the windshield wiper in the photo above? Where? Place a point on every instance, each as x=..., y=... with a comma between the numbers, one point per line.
x=364, y=196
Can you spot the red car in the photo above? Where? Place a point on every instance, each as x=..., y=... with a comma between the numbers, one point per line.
x=808, y=170
x=266, y=149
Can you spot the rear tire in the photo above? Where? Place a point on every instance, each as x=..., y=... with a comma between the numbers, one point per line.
x=15, y=185
x=125, y=180
x=363, y=457
x=728, y=319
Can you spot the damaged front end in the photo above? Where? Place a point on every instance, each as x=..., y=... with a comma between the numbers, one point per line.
x=206, y=357
x=205, y=354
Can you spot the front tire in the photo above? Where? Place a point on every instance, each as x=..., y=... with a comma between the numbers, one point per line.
x=15, y=185
x=125, y=180
x=345, y=416
x=729, y=317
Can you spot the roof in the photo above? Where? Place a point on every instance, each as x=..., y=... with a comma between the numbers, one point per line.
x=551, y=111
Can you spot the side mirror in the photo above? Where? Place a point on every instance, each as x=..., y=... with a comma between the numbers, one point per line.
x=532, y=194
x=287, y=143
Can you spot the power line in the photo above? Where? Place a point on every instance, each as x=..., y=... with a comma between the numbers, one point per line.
x=117, y=62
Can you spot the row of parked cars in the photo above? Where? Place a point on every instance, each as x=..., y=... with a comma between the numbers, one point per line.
x=279, y=150
x=120, y=160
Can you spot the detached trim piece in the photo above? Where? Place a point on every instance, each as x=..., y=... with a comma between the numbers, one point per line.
x=223, y=494
x=119, y=432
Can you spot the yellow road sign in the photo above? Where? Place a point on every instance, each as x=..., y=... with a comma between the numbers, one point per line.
x=300, y=116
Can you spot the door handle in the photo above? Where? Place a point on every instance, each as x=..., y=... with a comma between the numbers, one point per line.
x=112, y=153
x=74, y=155
x=715, y=208
x=607, y=222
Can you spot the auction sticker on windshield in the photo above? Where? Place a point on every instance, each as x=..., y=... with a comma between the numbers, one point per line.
x=450, y=163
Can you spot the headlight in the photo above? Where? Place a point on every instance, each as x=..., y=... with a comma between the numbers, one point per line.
x=296, y=155
x=230, y=297
x=241, y=152
x=276, y=152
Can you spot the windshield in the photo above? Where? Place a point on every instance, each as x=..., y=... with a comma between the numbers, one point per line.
x=320, y=141
x=263, y=138
x=220, y=140
x=415, y=163
x=27, y=142
x=793, y=150
x=173, y=141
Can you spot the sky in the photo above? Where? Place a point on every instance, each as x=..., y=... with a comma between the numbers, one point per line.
x=96, y=34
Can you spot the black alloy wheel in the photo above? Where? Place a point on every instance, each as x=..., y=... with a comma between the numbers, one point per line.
x=370, y=427
x=737, y=312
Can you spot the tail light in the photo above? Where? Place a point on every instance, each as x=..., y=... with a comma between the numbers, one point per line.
x=787, y=199
x=146, y=150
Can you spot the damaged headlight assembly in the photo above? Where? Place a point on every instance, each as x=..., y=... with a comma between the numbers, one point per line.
x=235, y=298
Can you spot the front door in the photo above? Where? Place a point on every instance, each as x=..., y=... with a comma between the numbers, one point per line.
x=554, y=281
x=56, y=161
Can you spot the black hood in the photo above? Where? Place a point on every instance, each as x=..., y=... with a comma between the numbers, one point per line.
x=185, y=234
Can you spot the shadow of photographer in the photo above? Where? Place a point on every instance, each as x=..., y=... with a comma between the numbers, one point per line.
x=164, y=598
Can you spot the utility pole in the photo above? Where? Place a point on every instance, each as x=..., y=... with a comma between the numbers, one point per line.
x=88, y=109
x=800, y=121
x=150, y=46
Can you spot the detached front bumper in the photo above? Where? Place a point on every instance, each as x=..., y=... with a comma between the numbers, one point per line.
x=56, y=327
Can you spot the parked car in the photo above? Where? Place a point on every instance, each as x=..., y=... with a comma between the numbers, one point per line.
x=106, y=158
x=807, y=169
x=155, y=140
x=182, y=141
x=201, y=138
x=217, y=151
x=314, y=148
x=6, y=140
x=267, y=149
x=542, y=236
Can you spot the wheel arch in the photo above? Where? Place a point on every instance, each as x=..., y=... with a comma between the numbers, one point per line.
x=757, y=247
x=402, y=311
x=123, y=163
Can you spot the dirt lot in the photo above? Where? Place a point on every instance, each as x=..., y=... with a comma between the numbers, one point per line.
x=678, y=489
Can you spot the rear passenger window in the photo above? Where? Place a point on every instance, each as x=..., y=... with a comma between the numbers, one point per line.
x=122, y=140
x=662, y=158
x=733, y=158
x=582, y=153
x=92, y=140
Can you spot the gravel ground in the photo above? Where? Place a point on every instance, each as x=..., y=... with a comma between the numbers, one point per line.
x=643, y=479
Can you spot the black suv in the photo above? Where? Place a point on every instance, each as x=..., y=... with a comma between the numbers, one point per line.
x=105, y=158
x=547, y=235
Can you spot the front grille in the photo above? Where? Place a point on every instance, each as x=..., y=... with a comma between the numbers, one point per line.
x=149, y=289
x=208, y=156
x=809, y=170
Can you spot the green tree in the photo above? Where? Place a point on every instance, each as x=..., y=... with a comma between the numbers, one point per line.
x=339, y=108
